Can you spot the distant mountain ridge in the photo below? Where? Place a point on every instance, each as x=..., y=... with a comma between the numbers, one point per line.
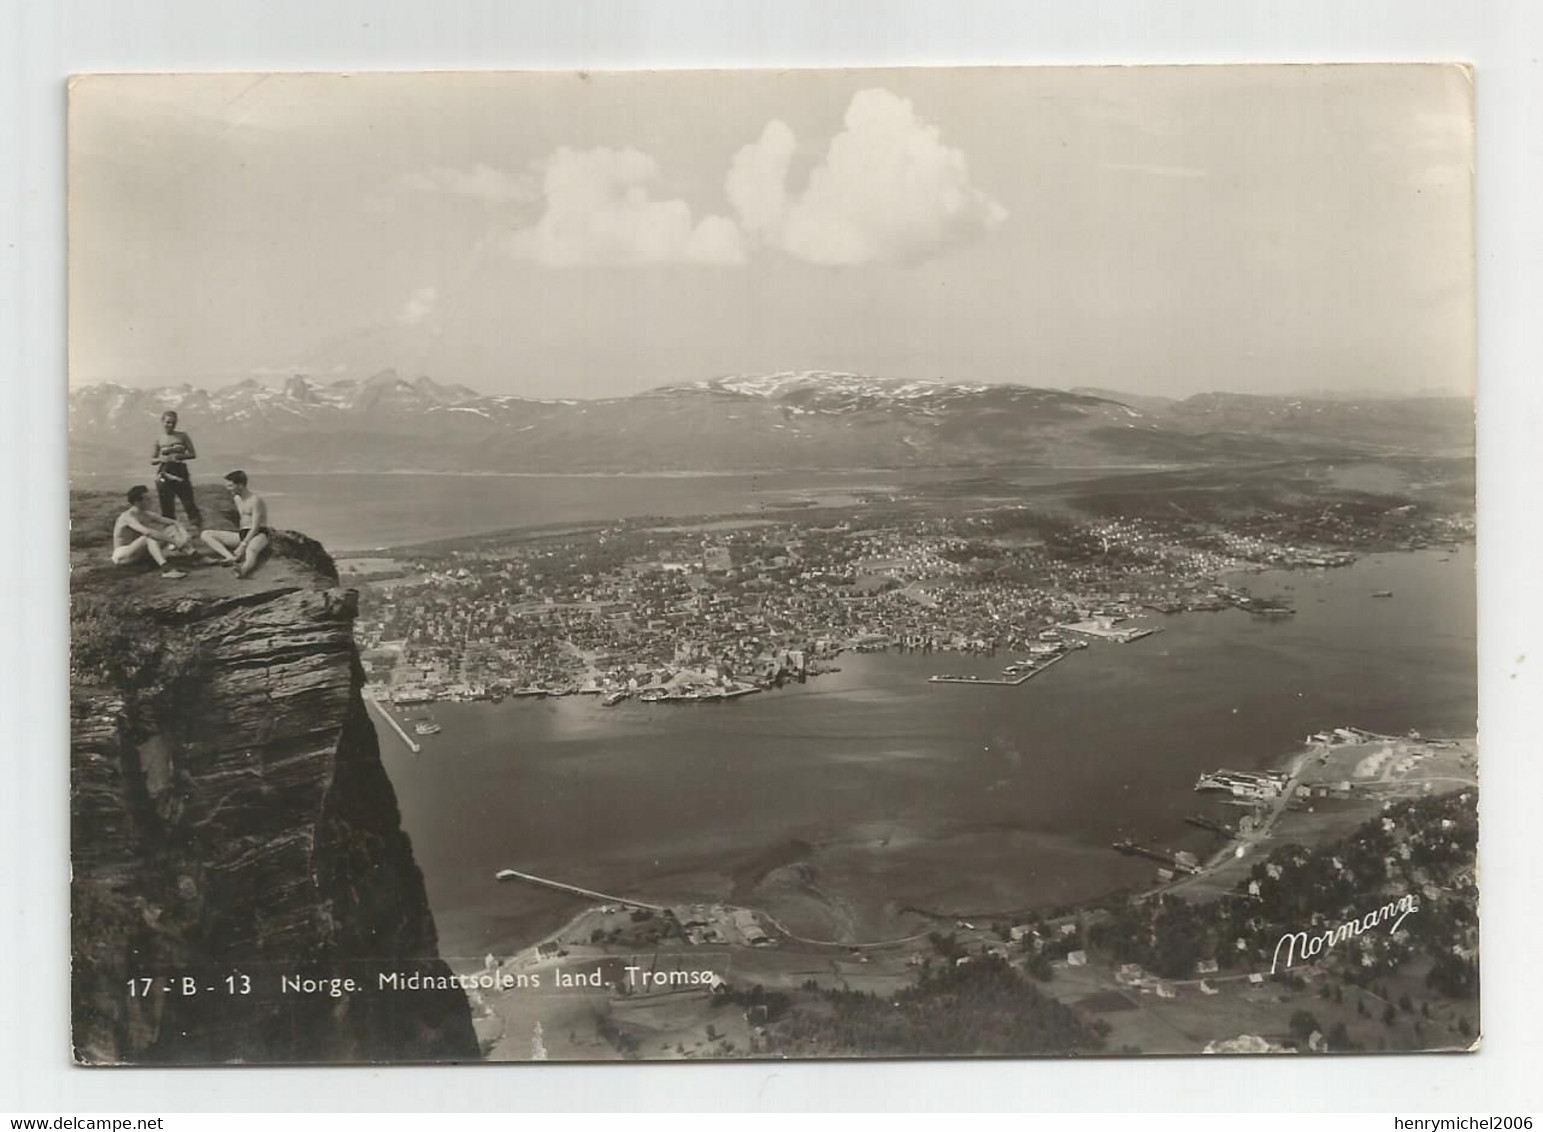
x=756, y=422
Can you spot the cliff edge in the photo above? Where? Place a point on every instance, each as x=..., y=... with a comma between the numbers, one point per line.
x=233, y=832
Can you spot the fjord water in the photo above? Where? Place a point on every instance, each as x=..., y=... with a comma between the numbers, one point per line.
x=367, y=510
x=895, y=792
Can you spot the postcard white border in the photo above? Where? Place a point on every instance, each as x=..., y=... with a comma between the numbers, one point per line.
x=42, y=41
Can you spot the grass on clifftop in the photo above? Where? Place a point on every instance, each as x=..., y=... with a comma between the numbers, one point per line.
x=92, y=514
x=124, y=630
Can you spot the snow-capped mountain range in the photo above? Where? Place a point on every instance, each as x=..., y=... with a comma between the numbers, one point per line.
x=804, y=419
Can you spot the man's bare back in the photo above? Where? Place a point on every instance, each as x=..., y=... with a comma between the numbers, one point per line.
x=139, y=533
x=134, y=523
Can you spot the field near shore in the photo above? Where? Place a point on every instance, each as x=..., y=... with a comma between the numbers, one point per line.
x=1340, y=786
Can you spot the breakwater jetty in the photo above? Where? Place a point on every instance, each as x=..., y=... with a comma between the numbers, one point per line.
x=1002, y=682
x=412, y=744
x=505, y=875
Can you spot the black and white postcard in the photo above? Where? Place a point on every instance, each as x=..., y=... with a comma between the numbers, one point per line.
x=772, y=564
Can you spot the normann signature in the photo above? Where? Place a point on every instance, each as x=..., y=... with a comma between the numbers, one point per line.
x=1311, y=946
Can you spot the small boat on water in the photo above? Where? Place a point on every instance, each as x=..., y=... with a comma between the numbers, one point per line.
x=1382, y=593
x=427, y=727
x=651, y=695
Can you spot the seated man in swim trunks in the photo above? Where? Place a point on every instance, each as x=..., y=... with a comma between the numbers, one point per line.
x=140, y=533
x=242, y=548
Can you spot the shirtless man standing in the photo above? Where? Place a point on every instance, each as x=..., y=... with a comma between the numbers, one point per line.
x=139, y=533
x=170, y=454
x=242, y=548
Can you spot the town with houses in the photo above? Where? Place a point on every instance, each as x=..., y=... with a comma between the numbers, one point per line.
x=706, y=610
x=723, y=609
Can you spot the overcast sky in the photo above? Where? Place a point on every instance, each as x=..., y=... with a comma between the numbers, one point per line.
x=1150, y=230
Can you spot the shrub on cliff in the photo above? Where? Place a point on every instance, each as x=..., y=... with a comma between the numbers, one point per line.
x=981, y=1007
x=111, y=647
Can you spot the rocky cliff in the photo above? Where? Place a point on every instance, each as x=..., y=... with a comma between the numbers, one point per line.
x=234, y=834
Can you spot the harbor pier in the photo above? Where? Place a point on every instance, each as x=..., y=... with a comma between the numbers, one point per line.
x=1005, y=682
x=412, y=744
x=574, y=890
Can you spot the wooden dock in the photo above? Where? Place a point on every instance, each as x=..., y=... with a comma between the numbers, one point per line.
x=1132, y=849
x=1217, y=827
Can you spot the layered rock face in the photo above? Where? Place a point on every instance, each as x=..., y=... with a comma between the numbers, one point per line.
x=234, y=834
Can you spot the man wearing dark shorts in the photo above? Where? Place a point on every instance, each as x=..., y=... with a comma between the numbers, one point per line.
x=244, y=547
x=173, y=449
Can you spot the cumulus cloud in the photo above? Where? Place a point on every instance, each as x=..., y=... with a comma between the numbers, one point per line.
x=419, y=305
x=598, y=210
x=480, y=182
x=887, y=190
x=757, y=184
